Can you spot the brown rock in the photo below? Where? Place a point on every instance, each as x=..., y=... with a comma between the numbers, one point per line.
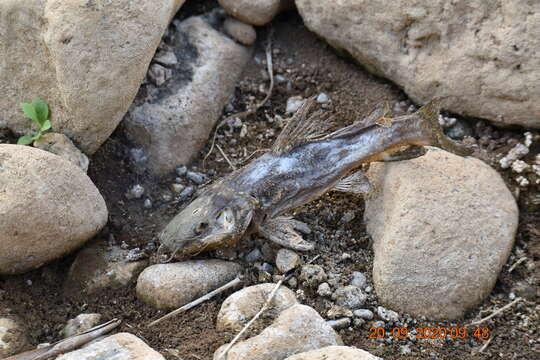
x=86, y=59
x=335, y=353
x=443, y=227
x=48, y=208
x=481, y=57
x=97, y=268
x=121, y=346
x=297, y=329
x=255, y=12
x=241, y=306
x=239, y=31
x=172, y=125
x=167, y=286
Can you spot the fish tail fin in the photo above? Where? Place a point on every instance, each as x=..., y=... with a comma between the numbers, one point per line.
x=429, y=113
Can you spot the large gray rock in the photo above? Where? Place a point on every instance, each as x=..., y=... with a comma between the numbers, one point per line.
x=85, y=58
x=335, y=353
x=48, y=207
x=167, y=286
x=298, y=329
x=172, y=123
x=443, y=226
x=121, y=346
x=241, y=307
x=481, y=56
x=255, y=12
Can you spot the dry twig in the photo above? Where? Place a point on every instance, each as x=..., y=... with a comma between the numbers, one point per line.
x=252, y=110
x=496, y=312
x=69, y=344
x=225, y=157
x=262, y=310
x=485, y=344
x=198, y=301
x=516, y=264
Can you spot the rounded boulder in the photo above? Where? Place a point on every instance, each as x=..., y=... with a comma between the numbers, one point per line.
x=48, y=208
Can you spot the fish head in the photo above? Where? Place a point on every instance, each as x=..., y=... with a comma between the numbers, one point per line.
x=218, y=217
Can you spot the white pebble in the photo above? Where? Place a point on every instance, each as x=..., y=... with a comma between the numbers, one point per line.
x=293, y=104
x=322, y=98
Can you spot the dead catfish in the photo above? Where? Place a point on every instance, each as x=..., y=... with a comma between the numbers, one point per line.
x=303, y=164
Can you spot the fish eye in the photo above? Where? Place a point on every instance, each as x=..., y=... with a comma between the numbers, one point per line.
x=202, y=227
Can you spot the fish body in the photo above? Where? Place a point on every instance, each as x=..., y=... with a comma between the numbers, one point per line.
x=302, y=166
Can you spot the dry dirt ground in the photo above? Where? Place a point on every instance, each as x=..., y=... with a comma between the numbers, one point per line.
x=312, y=67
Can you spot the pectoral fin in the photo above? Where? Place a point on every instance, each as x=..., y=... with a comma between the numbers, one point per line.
x=280, y=231
x=357, y=183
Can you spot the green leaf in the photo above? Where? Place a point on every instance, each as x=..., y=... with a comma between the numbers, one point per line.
x=46, y=125
x=37, y=136
x=42, y=111
x=30, y=112
x=24, y=140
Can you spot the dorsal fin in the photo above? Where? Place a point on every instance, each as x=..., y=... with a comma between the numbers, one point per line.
x=378, y=114
x=302, y=129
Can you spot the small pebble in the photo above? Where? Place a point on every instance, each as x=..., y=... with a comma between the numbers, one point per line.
x=387, y=315
x=405, y=349
x=359, y=279
x=166, y=197
x=322, y=98
x=286, y=260
x=166, y=58
x=196, y=177
x=378, y=324
x=264, y=267
x=339, y=323
x=293, y=282
x=279, y=79
x=348, y=216
x=293, y=104
x=181, y=171
x=324, y=290
x=186, y=193
x=135, y=192
x=350, y=297
x=158, y=74
x=243, y=33
x=177, y=188
x=358, y=322
x=363, y=314
x=253, y=255
x=312, y=275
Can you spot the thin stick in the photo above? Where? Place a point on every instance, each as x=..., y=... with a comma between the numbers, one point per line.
x=225, y=157
x=198, y=301
x=71, y=343
x=497, y=312
x=516, y=264
x=485, y=344
x=253, y=110
x=263, y=309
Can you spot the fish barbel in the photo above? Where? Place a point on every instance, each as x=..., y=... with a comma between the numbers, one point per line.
x=303, y=164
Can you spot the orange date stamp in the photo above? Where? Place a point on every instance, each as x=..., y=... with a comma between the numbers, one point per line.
x=429, y=333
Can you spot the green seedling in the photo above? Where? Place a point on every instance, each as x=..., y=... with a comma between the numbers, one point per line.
x=38, y=111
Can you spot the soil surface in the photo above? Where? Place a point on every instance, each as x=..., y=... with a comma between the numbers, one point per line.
x=310, y=67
